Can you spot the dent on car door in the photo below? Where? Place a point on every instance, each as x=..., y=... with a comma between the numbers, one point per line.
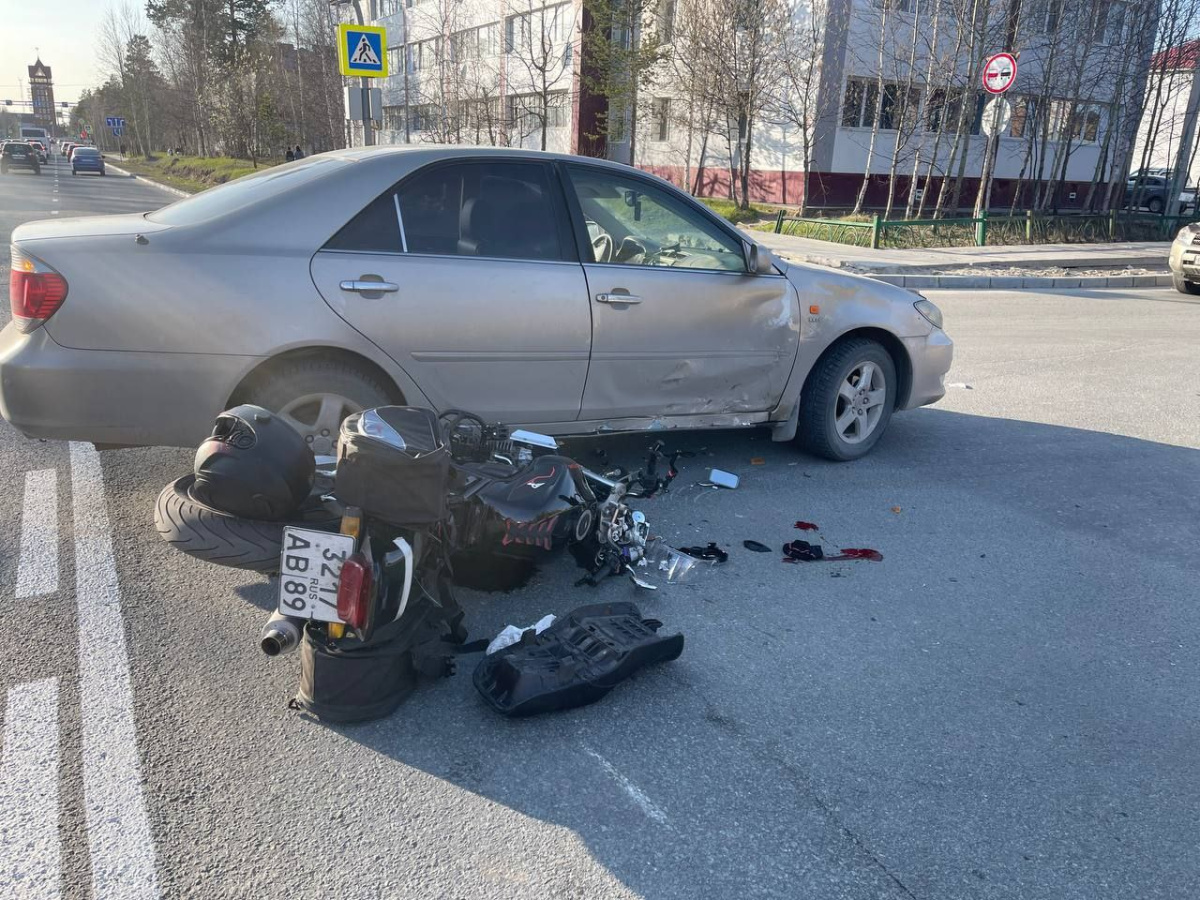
x=679, y=326
x=482, y=299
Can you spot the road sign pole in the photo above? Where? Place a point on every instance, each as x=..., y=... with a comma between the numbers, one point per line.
x=364, y=85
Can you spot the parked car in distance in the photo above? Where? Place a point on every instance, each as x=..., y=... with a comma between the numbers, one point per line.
x=1150, y=192
x=19, y=155
x=87, y=159
x=571, y=295
x=64, y=149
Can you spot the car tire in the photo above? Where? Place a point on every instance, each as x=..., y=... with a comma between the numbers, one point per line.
x=1183, y=285
x=824, y=403
x=1155, y=205
x=306, y=391
x=213, y=536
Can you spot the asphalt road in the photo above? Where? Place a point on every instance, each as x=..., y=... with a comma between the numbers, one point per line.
x=1004, y=707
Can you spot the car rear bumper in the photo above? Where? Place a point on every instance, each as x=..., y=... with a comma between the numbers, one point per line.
x=111, y=397
x=931, y=357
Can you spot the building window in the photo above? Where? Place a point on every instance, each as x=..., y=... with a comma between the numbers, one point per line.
x=1024, y=117
x=896, y=111
x=1053, y=17
x=895, y=5
x=945, y=106
x=666, y=21
x=422, y=118
x=558, y=109
x=386, y=8
x=394, y=54
x=1085, y=123
x=411, y=59
x=517, y=33
x=393, y=118
x=660, y=119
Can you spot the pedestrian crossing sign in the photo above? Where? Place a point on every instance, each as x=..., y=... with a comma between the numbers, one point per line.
x=362, y=50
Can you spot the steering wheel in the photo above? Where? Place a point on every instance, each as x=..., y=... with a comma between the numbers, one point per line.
x=602, y=248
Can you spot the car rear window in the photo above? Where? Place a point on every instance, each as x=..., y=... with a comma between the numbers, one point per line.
x=87, y=151
x=244, y=191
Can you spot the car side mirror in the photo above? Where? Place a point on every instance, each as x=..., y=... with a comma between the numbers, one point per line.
x=758, y=260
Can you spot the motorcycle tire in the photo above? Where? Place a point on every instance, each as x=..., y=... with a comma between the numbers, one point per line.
x=217, y=537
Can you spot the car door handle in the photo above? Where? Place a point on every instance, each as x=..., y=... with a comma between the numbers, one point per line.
x=367, y=287
x=618, y=297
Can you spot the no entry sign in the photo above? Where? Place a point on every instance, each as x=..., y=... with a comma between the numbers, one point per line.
x=999, y=73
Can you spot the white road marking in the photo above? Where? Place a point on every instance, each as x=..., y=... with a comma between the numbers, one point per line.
x=37, y=572
x=119, y=837
x=30, y=863
x=648, y=806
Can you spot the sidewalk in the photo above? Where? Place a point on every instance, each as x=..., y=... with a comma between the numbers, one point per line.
x=1150, y=254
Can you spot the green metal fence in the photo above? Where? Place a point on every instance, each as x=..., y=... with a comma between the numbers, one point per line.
x=1028, y=228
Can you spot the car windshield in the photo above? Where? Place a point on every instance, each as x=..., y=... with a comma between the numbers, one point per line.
x=244, y=191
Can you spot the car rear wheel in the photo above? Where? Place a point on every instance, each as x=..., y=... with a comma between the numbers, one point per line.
x=848, y=400
x=1183, y=285
x=1155, y=205
x=315, y=395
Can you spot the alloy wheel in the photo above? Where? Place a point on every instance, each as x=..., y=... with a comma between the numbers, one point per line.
x=318, y=418
x=861, y=400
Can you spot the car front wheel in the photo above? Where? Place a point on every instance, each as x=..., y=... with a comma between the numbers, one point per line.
x=848, y=400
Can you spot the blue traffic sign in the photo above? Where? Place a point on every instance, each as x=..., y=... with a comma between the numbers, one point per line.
x=361, y=50
x=114, y=121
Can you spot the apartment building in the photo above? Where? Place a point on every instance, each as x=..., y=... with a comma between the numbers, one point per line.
x=481, y=72
x=1161, y=130
x=886, y=86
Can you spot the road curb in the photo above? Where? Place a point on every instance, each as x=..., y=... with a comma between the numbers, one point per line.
x=158, y=184
x=1021, y=282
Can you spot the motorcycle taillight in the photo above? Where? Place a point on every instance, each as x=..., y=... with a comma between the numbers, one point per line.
x=354, y=592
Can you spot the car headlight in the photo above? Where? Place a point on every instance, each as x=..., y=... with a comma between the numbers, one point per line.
x=932, y=314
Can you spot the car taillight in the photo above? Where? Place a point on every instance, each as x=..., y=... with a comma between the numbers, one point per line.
x=35, y=291
x=354, y=592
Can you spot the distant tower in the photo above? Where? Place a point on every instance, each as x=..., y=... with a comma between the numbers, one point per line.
x=41, y=91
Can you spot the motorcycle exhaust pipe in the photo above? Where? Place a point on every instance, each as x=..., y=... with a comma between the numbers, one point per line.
x=281, y=634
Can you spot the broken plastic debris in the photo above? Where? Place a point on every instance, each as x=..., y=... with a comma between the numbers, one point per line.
x=806, y=526
x=895, y=509
x=724, y=479
x=511, y=633
x=803, y=551
x=757, y=461
x=756, y=546
x=665, y=559
x=712, y=552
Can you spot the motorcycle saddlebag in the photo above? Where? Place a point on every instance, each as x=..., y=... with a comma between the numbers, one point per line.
x=577, y=660
x=354, y=682
x=394, y=465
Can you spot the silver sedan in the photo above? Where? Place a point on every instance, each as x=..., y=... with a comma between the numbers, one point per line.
x=572, y=295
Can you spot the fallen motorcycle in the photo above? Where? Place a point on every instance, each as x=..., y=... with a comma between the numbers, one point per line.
x=412, y=502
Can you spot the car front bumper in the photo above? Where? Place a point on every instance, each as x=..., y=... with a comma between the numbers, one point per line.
x=931, y=356
x=112, y=397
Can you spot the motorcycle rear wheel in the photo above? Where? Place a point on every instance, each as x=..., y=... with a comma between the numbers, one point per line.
x=214, y=536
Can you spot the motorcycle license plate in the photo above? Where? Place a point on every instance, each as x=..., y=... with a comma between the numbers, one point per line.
x=309, y=567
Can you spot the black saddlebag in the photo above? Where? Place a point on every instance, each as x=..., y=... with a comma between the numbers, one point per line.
x=394, y=464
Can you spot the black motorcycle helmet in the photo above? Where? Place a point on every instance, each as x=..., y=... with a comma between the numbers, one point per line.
x=254, y=465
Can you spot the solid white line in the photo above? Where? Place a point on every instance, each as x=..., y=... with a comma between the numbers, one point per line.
x=648, y=806
x=119, y=836
x=37, y=573
x=30, y=855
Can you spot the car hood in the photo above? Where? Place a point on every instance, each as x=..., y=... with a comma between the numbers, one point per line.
x=85, y=226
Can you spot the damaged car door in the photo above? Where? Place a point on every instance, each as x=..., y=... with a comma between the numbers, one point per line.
x=466, y=274
x=679, y=325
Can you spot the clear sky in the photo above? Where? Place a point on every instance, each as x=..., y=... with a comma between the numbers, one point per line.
x=63, y=30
